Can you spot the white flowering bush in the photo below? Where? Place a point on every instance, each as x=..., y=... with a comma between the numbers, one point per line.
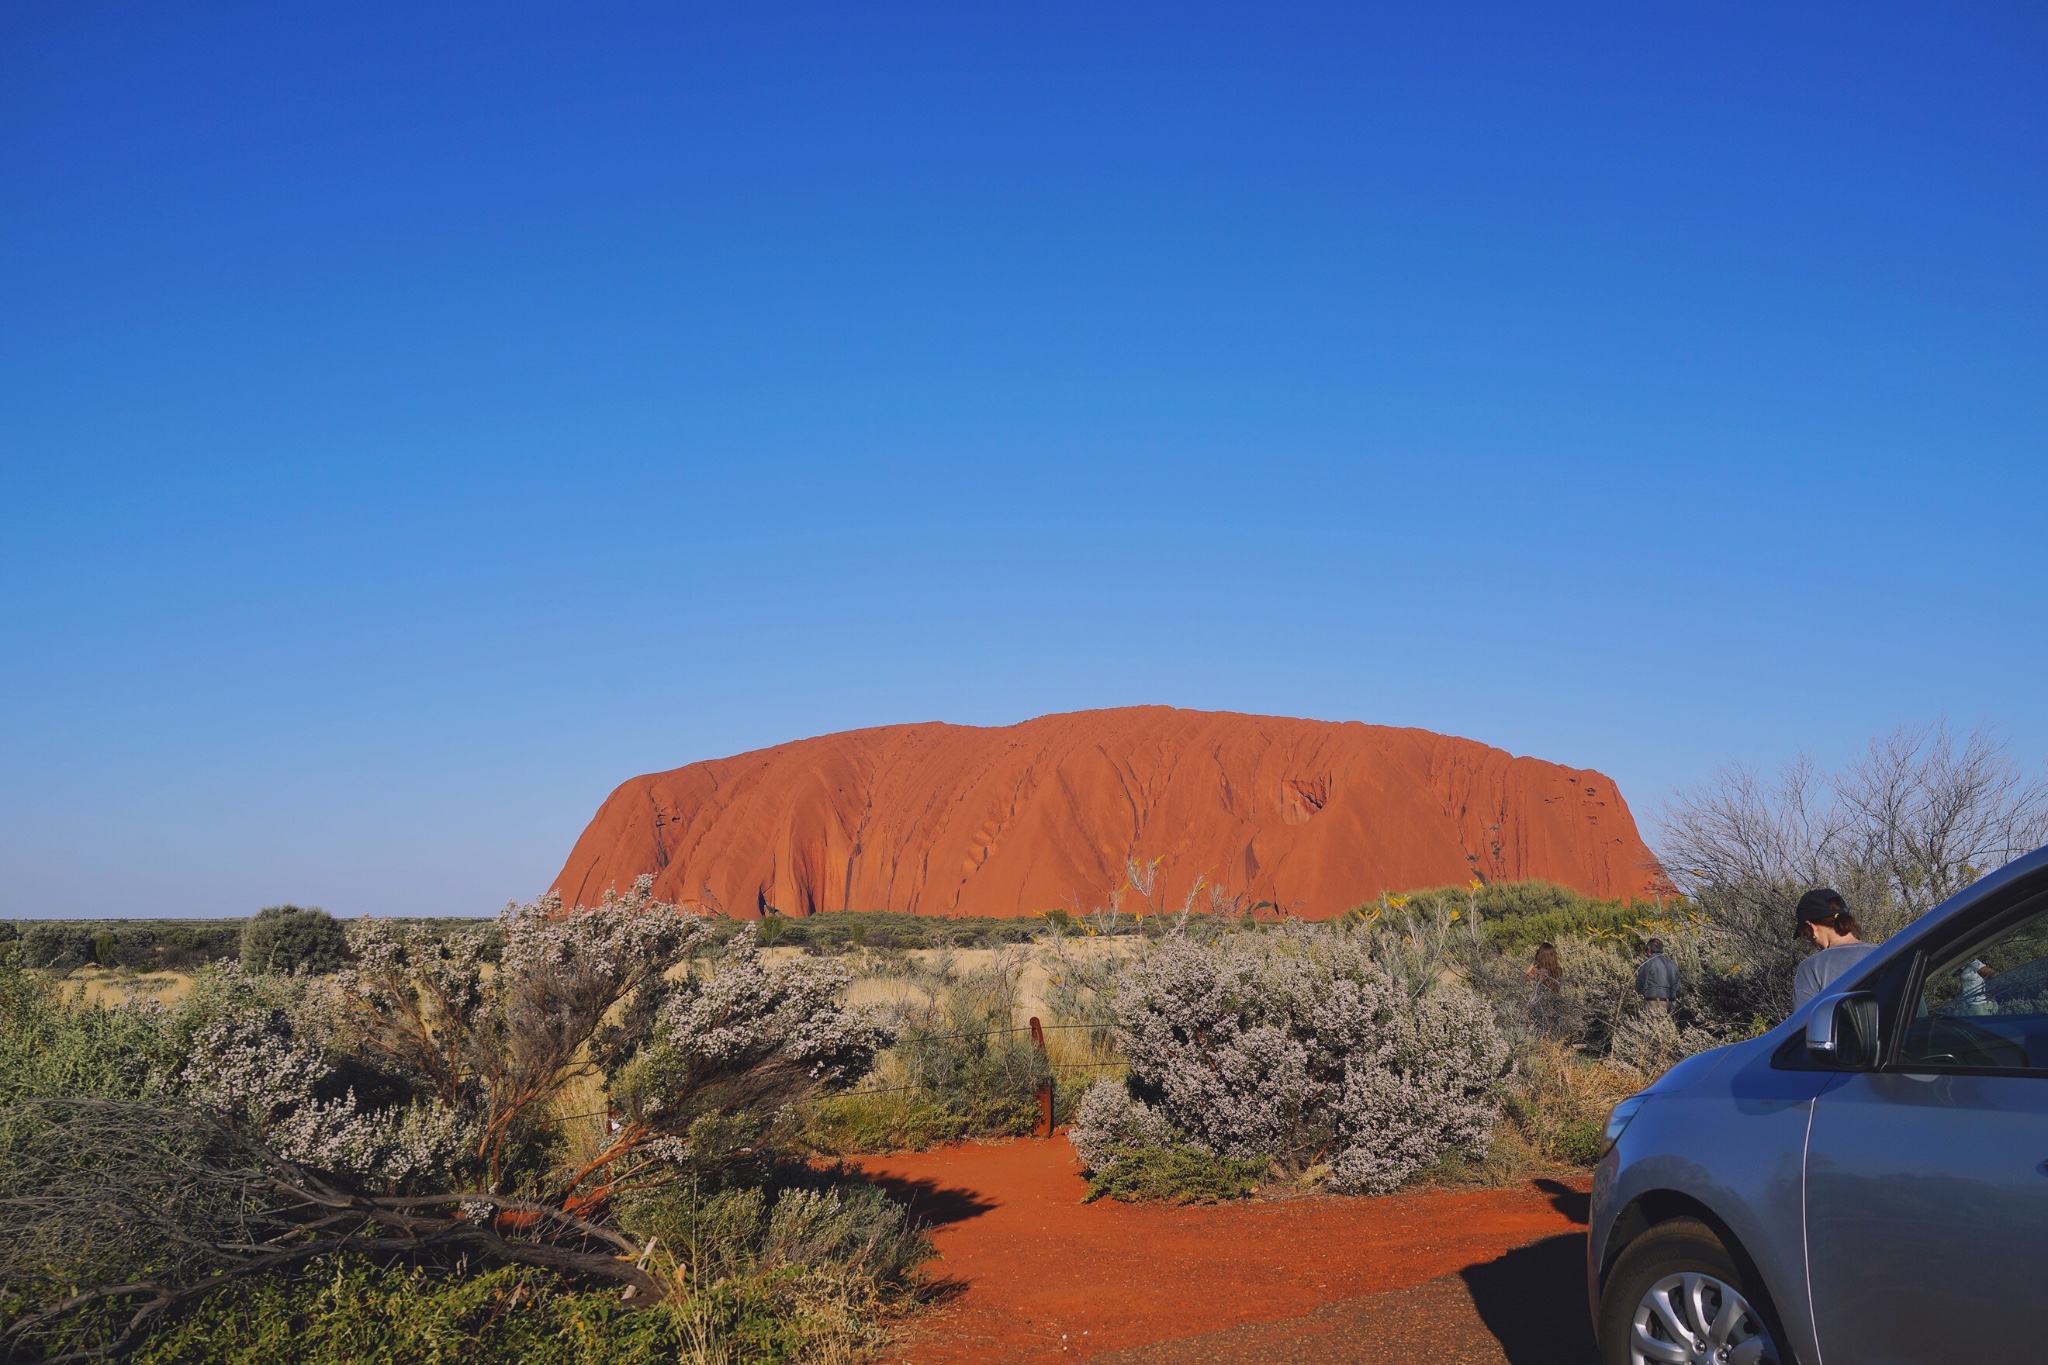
x=745, y=1014
x=1648, y=1045
x=436, y=1096
x=247, y=1059
x=1297, y=1046
x=731, y=1053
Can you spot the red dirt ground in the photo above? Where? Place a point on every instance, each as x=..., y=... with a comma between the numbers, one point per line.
x=1041, y=1276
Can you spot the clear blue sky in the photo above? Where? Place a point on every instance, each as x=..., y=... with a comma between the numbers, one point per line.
x=415, y=420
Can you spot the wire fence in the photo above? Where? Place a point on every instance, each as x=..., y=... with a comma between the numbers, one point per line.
x=1034, y=1025
x=997, y=1032
x=919, y=1085
x=857, y=1092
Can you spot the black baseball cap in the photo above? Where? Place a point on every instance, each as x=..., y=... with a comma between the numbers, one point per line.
x=1819, y=906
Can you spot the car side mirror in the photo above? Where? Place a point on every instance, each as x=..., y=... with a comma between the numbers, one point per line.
x=1843, y=1031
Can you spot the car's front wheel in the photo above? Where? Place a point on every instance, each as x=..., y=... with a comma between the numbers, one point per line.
x=1676, y=1297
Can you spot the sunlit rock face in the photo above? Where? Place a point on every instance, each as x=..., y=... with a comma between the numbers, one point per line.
x=1311, y=816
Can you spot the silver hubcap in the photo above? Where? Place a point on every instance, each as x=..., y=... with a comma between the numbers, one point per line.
x=1694, y=1319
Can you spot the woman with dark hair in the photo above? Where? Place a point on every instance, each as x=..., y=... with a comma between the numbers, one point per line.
x=1546, y=986
x=1823, y=920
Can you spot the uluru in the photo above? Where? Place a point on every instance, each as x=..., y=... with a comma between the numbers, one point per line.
x=936, y=819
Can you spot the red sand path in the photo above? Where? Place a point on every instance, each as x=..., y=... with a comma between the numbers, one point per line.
x=1047, y=1277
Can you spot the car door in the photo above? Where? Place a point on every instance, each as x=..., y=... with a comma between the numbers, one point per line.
x=1927, y=1178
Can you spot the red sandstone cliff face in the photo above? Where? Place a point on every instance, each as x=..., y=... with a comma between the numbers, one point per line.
x=936, y=819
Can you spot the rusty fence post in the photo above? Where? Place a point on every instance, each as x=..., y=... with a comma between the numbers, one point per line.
x=1044, y=1128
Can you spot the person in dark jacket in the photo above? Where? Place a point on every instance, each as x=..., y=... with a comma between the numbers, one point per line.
x=1657, y=979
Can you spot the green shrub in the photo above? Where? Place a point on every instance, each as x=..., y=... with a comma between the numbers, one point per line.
x=960, y=1065
x=1560, y=1101
x=841, y=931
x=851, y=1230
x=1516, y=916
x=50, y=1049
x=1179, y=1175
x=182, y=947
x=285, y=939
x=57, y=946
x=352, y=1312
x=964, y=1054
x=865, y=1121
x=1581, y=1141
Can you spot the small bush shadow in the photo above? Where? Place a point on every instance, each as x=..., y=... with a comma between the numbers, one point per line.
x=930, y=1204
x=1570, y=1202
x=1533, y=1300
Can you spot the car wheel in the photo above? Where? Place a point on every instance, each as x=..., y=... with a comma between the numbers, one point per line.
x=1676, y=1297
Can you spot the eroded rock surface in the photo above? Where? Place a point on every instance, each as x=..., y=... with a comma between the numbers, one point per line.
x=1313, y=816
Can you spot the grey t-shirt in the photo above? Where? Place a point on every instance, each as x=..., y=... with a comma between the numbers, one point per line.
x=1816, y=973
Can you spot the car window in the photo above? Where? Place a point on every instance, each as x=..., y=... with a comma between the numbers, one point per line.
x=1986, y=1005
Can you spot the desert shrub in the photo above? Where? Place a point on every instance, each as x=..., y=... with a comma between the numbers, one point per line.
x=284, y=938
x=269, y=1120
x=1176, y=1175
x=1295, y=1046
x=1559, y=1100
x=355, y=1310
x=1513, y=917
x=48, y=1049
x=840, y=931
x=963, y=1050
x=1594, y=993
x=1080, y=986
x=847, y=1228
x=58, y=947
x=1596, y=989
x=250, y=1051
x=181, y=947
x=960, y=1066
x=158, y=946
x=879, y=1121
x=1647, y=1045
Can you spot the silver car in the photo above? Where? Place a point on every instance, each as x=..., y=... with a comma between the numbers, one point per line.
x=1865, y=1184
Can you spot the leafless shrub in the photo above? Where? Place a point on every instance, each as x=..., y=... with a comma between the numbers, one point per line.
x=120, y=1210
x=1921, y=815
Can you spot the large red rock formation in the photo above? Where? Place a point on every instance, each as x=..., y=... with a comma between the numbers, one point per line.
x=937, y=819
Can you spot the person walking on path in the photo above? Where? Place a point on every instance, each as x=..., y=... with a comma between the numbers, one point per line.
x=1823, y=920
x=1657, y=979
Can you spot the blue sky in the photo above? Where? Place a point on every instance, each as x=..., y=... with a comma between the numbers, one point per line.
x=415, y=420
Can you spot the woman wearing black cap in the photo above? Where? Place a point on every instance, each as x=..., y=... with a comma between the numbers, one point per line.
x=1825, y=922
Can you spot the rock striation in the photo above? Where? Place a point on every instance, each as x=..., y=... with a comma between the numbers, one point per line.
x=935, y=819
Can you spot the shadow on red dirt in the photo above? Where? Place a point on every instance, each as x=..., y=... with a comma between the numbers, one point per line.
x=1032, y=1274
